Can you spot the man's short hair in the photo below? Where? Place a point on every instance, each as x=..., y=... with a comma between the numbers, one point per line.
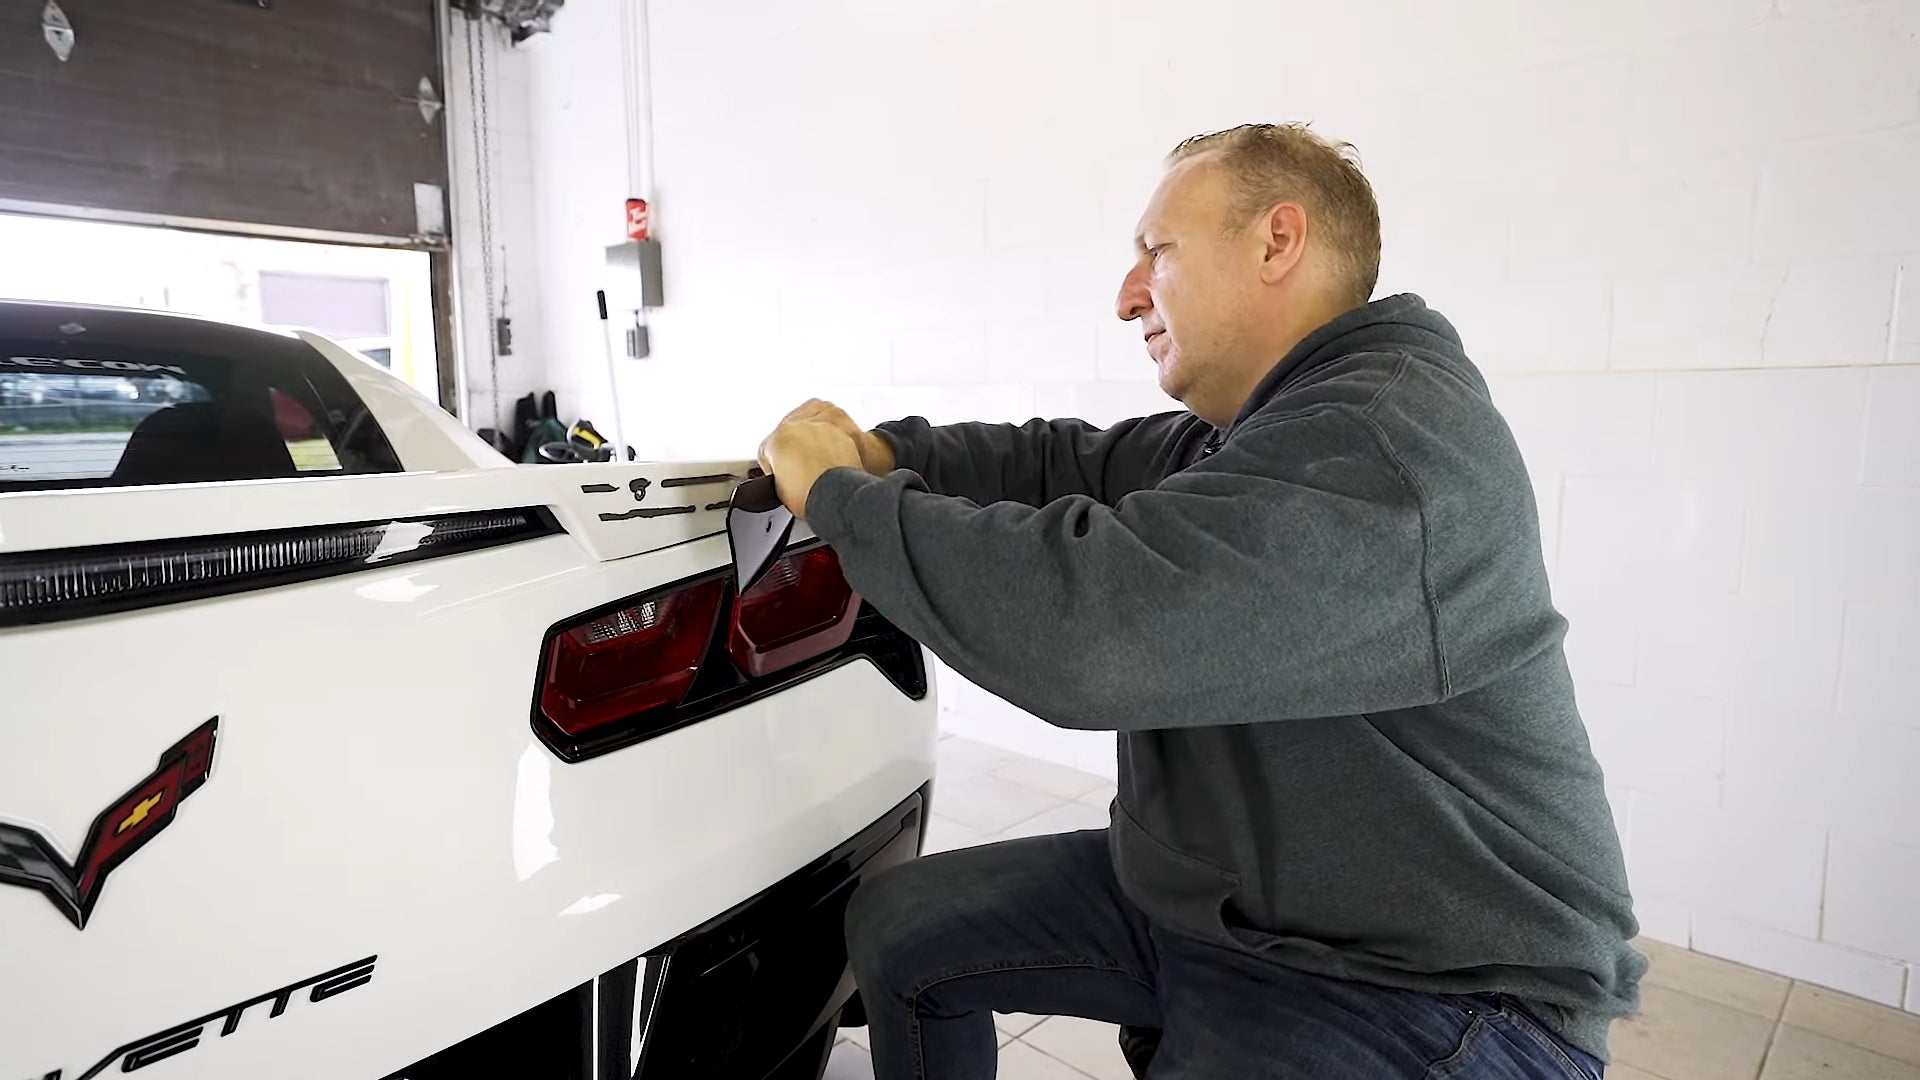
x=1276, y=163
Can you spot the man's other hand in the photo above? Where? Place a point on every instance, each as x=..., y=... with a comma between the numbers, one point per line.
x=812, y=439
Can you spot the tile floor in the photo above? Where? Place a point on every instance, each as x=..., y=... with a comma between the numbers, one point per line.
x=1701, y=1018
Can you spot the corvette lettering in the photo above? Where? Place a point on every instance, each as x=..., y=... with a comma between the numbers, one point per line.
x=82, y=363
x=181, y=1038
x=30, y=860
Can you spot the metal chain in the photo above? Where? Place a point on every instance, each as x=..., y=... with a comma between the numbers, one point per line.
x=481, y=116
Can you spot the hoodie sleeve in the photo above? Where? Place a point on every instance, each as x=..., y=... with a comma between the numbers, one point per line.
x=1032, y=463
x=1282, y=577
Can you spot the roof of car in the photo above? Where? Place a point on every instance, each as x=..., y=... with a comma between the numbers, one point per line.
x=77, y=326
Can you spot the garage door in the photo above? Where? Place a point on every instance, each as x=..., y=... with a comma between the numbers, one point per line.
x=301, y=114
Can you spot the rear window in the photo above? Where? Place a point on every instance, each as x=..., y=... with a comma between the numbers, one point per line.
x=85, y=413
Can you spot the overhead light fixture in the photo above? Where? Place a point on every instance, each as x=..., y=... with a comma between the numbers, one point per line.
x=524, y=17
x=57, y=30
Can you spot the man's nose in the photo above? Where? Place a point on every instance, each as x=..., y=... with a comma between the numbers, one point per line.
x=1134, y=300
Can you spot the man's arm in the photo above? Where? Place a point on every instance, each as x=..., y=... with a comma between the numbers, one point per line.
x=1032, y=463
x=1282, y=577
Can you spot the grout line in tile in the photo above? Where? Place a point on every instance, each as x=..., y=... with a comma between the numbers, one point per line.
x=1069, y=1066
x=1773, y=1040
x=1650, y=1070
x=1001, y=833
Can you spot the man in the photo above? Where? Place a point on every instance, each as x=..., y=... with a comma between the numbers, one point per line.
x=1359, y=832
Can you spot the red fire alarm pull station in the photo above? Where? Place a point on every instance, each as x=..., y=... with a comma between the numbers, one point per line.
x=639, y=220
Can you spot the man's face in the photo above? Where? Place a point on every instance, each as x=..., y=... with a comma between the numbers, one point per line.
x=1193, y=285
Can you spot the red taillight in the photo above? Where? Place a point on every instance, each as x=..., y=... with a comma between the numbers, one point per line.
x=801, y=609
x=627, y=674
x=638, y=658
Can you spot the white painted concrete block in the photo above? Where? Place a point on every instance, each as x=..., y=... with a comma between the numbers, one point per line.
x=1877, y=664
x=1831, y=313
x=1873, y=890
x=1892, y=451
x=1786, y=430
x=1848, y=970
x=1850, y=195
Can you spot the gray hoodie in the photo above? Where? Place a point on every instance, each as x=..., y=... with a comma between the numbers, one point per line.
x=1347, y=733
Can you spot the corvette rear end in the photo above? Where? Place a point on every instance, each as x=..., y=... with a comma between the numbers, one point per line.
x=333, y=748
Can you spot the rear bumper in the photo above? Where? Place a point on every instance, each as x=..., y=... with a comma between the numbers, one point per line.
x=734, y=998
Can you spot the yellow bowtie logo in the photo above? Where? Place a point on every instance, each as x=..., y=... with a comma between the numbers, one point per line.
x=141, y=811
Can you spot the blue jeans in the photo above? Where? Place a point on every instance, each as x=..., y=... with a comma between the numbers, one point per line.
x=1041, y=926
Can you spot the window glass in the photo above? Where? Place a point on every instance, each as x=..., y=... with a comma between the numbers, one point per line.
x=84, y=416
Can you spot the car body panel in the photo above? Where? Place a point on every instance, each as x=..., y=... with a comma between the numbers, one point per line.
x=425, y=436
x=579, y=495
x=377, y=789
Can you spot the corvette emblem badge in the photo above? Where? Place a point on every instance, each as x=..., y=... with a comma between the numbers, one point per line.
x=29, y=860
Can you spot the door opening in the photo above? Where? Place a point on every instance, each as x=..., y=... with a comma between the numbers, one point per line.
x=377, y=301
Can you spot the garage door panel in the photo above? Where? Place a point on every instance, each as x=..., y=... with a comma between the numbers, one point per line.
x=303, y=115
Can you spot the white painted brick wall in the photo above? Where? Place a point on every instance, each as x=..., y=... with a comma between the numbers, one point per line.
x=1665, y=920
x=1602, y=639
x=1750, y=431
x=1881, y=556
x=1710, y=316
x=1684, y=239
x=1766, y=872
x=1785, y=766
x=1691, y=730
x=516, y=267
x=1850, y=195
x=1670, y=841
x=1543, y=324
x=1646, y=535
x=1876, y=663
x=1831, y=313
x=1852, y=971
x=1906, y=316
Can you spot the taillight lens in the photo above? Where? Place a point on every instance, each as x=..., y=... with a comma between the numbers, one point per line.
x=635, y=659
x=802, y=608
x=655, y=664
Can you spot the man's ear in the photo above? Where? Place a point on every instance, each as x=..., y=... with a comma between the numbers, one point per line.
x=1285, y=235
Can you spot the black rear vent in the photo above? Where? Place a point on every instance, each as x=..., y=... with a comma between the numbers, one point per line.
x=75, y=583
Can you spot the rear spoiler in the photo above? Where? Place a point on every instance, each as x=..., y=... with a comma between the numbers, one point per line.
x=68, y=554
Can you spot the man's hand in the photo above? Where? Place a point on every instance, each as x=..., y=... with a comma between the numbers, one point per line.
x=876, y=454
x=812, y=439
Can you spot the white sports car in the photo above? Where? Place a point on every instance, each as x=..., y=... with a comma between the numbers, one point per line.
x=333, y=745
